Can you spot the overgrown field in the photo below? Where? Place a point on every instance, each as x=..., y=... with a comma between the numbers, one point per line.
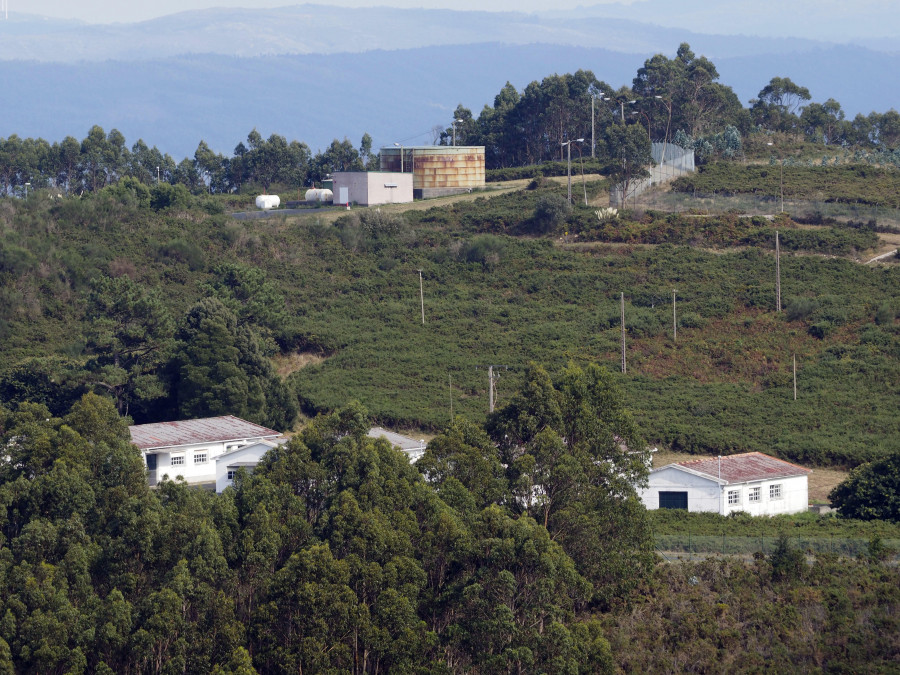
x=494, y=299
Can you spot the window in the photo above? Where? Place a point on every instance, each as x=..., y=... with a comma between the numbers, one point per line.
x=177, y=460
x=231, y=473
x=755, y=494
x=200, y=458
x=775, y=491
x=734, y=497
x=673, y=500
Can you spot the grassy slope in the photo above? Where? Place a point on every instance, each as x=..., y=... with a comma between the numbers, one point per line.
x=725, y=385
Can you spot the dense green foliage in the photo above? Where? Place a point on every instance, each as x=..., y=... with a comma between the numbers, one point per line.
x=773, y=615
x=337, y=555
x=334, y=554
x=872, y=491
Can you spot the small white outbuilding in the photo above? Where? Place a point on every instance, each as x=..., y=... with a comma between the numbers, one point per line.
x=751, y=482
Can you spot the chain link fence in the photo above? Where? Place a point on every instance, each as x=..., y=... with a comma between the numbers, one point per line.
x=692, y=546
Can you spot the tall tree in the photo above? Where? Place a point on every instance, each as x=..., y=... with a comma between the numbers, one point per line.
x=130, y=333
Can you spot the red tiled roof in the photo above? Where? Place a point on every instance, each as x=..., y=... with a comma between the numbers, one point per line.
x=189, y=432
x=748, y=466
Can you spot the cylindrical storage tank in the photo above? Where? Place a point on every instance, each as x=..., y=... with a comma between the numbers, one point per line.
x=319, y=195
x=266, y=202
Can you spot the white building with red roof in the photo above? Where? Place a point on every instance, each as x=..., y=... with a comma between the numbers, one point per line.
x=751, y=482
x=189, y=448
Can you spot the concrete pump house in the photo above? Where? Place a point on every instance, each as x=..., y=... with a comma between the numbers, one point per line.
x=751, y=482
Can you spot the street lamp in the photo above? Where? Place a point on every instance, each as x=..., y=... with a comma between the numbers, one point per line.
x=401, y=155
x=455, y=122
x=668, y=105
x=622, y=103
x=568, y=145
x=646, y=117
x=593, y=142
x=157, y=175
x=27, y=185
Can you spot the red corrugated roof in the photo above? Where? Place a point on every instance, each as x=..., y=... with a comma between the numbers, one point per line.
x=189, y=432
x=747, y=466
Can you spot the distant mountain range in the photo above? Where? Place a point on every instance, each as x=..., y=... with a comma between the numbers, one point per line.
x=315, y=73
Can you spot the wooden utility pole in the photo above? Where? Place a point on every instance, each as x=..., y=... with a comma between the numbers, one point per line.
x=491, y=379
x=777, y=272
x=674, y=320
x=422, y=297
x=795, y=377
x=491, y=394
x=624, y=369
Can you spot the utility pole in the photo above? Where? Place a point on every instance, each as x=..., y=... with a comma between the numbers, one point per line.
x=623, y=333
x=422, y=296
x=491, y=393
x=674, y=320
x=777, y=272
x=491, y=379
x=795, y=376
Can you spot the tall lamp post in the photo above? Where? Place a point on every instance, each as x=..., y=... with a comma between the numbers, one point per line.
x=27, y=185
x=455, y=122
x=399, y=145
x=668, y=105
x=593, y=142
x=646, y=117
x=568, y=145
x=622, y=103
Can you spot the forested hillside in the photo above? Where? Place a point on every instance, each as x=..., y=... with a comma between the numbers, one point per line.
x=517, y=543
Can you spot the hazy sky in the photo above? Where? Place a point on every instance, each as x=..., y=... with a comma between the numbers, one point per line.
x=110, y=11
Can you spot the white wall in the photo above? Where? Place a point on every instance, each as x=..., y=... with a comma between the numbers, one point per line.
x=794, y=497
x=367, y=188
x=703, y=494
x=192, y=470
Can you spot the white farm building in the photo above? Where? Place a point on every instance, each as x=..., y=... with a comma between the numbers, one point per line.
x=190, y=448
x=751, y=482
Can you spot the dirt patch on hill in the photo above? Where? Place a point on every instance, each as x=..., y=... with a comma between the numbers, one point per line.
x=285, y=364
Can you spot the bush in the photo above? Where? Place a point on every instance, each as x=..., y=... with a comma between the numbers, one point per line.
x=872, y=491
x=550, y=212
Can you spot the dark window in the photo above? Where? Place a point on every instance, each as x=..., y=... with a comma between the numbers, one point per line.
x=673, y=500
x=151, y=462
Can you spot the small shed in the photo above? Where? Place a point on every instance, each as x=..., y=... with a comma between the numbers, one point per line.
x=752, y=482
x=371, y=188
x=414, y=448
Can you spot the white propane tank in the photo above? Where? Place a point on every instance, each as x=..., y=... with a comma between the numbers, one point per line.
x=319, y=195
x=266, y=202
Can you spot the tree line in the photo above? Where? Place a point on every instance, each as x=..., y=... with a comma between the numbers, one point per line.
x=681, y=95
x=335, y=554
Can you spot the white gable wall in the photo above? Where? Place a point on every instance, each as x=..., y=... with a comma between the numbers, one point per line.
x=703, y=494
x=250, y=454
